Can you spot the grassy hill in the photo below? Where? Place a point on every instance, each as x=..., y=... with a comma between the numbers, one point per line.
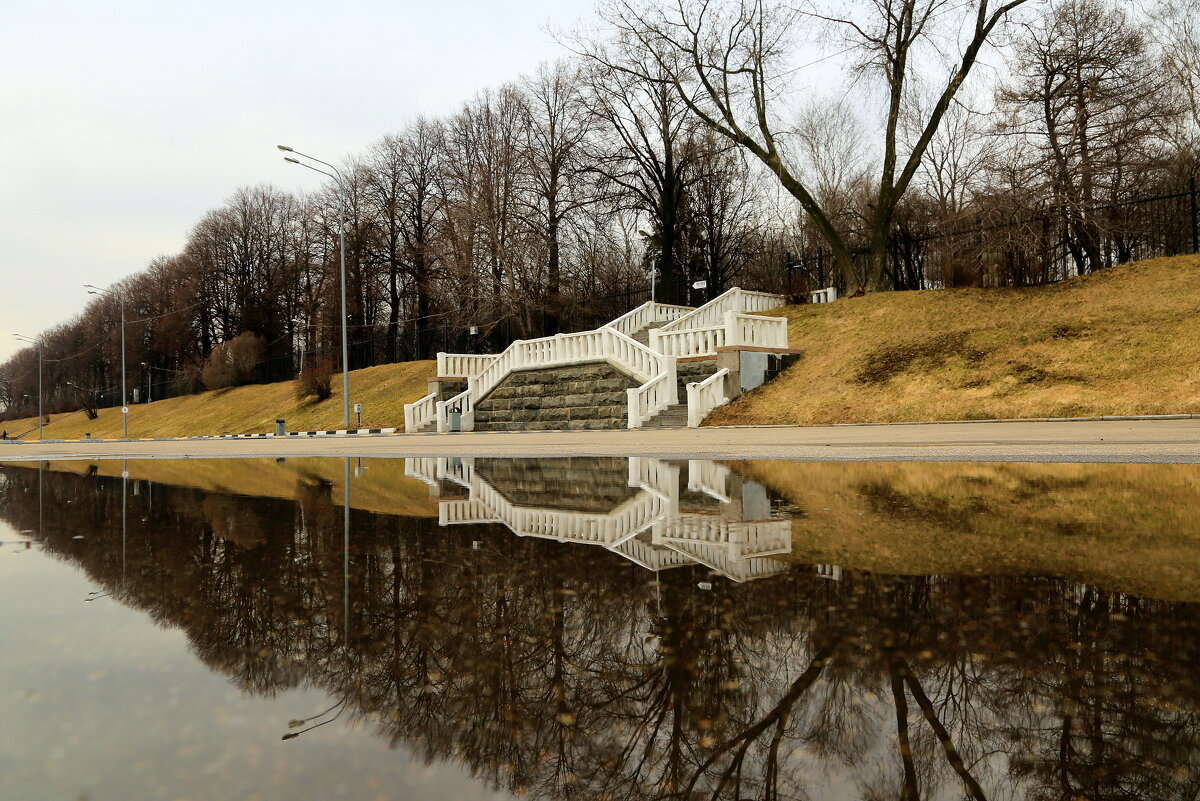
x=381, y=390
x=1122, y=341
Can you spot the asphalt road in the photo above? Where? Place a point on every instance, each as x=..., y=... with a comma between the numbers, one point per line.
x=1161, y=440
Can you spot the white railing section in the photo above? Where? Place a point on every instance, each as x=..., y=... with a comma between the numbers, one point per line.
x=602, y=344
x=655, y=395
x=462, y=365
x=421, y=413
x=704, y=396
x=738, y=329
x=461, y=403
x=459, y=469
x=712, y=314
x=826, y=295
x=633, y=321
x=658, y=478
x=753, y=331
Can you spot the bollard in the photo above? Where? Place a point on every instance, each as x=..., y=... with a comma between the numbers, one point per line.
x=280, y=428
x=87, y=436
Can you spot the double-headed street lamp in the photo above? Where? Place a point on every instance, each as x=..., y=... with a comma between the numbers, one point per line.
x=37, y=343
x=108, y=293
x=336, y=175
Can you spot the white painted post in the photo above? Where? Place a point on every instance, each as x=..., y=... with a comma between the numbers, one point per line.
x=693, y=405
x=443, y=423
x=654, y=343
x=672, y=380
x=731, y=329
x=635, y=414
x=441, y=365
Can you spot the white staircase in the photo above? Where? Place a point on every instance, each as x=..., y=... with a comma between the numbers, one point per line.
x=671, y=333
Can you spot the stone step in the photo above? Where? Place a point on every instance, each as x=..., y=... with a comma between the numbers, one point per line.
x=643, y=334
x=670, y=417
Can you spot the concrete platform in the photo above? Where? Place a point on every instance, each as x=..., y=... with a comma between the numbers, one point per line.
x=1173, y=440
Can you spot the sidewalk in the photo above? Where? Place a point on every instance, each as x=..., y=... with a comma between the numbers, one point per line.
x=1161, y=440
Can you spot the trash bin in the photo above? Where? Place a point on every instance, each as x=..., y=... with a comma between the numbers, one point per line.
x=87, y=436
x=455, y=420
x=280, y=428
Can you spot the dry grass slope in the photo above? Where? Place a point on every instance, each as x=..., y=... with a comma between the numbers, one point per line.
x=382, y=391
x=1124, y=341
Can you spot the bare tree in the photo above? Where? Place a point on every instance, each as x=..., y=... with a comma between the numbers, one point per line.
x=727, y=61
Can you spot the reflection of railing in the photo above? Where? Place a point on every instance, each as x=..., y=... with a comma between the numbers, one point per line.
x=710, y=478
x=422, y=468
x=420, y=414
x=647, y=529
x=704, y=396
x=743, y=539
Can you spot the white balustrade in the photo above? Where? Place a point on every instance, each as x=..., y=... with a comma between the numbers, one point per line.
x=420, y=413
x=635, y=320
x=753, y=331
x=704, y=396
x=462, y=365
x=655, y=395
x=464, y=405
x=827, y=295
x=712, y=314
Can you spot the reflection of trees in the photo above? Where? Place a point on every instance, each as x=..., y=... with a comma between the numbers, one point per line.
x=564, y=672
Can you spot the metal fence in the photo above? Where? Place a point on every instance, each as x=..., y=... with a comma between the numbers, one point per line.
x=1056, y=243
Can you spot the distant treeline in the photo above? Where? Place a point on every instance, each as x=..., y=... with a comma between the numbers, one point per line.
x=545, y=204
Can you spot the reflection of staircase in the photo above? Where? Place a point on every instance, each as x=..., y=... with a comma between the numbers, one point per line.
x=641, y=522
x=649, y=355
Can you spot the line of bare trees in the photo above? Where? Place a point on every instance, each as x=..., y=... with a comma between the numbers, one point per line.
x=969, y=144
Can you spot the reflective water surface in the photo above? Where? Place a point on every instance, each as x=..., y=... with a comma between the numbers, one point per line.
x=598, y=629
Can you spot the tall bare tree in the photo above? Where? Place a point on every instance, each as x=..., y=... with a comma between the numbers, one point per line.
x=728, y=60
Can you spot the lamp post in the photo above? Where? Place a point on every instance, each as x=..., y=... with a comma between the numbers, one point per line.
x=37, y=344
x=108, y=293
x=336, y=175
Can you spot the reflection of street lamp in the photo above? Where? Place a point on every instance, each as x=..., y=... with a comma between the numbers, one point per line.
x=37, y=344
x=336, y=175
x=108, y=293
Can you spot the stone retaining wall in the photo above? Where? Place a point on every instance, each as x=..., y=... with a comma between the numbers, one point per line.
x=589, y=396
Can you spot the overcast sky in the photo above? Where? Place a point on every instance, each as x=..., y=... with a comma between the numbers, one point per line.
x=124, y=121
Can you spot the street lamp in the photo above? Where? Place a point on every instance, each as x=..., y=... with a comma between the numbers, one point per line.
x=108, y=293
x=37, y=344
x=336, y=175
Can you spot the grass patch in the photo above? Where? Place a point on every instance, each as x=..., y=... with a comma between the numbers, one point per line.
x=382, y=391
x=1121, y=341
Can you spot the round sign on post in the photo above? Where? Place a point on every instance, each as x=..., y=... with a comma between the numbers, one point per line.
x=124, y=410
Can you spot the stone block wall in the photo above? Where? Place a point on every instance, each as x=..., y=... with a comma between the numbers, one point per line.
x=589, y=396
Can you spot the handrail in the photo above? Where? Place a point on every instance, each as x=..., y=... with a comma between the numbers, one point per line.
x=419, y=414
x=462, y=365
x=601, y=344
x=713, y=312
x=636, y=319
x=704, y=396
x=736, y=329
x=461, y=403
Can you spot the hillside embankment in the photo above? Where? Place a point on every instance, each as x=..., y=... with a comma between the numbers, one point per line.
x=1125, y=341
x=381, y=390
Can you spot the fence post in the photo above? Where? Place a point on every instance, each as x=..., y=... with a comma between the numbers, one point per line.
x=1195, y=217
